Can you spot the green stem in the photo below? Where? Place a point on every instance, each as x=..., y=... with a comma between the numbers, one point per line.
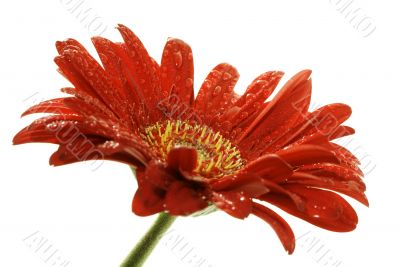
x=143, y=249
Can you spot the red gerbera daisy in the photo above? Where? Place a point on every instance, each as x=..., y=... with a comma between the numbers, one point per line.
x=217, y=150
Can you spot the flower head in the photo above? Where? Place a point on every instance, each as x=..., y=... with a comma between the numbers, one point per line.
x=219, y=149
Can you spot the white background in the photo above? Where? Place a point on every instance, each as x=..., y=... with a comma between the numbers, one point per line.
x=86, y=216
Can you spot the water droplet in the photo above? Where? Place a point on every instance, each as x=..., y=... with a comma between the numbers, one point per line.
x=166, y=52
x=244, y=115
x=226, y=76
x=178, y=59
x=190, y=56
x=250, y=97
x=318, y=210
x=217, y=90
x=52, y=126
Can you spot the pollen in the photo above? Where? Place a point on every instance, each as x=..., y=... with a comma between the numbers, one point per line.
x=216, y=155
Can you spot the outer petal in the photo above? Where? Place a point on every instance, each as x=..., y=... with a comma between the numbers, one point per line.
x=93, y=75
x=235, y=204
x=140, y=71
x=307, y=154
x=148, y=199
x=241, y=114
x=269, y=166
x=55, y=106
x=183, y=200
x=350, y=188
x=322, y=208
x=250, y=184
x=177, y=71
x=216, y=95
x=280, y=226
x=281, y=114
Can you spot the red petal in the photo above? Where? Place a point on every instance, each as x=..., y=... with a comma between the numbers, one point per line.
x=182, y=158
x=177, y=71
x=322, y=208
x=260, y=89
x=280, y=226
x=307, y=154
x=148, y=199
x=269, y=166
x=235, y=204
x=287, y=103
x=55, y=106
x=216, y=93
x=249, y=184
x=183, y=200
x=350, y=188
x=140, y=71
x=240, y=114
x=336, y=172
x=96, y=78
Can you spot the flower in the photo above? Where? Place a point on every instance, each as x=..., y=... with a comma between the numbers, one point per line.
x=219, y=149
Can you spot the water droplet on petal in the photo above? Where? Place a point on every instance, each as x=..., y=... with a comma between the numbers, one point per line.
x=257, y=105
x=166, y=52
x=250, y=97
x=317, y=211
x=226, y=76
x=244, y=115
x=217, y=90
x=178, y=59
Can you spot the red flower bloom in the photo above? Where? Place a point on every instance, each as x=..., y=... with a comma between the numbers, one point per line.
x=218, y=149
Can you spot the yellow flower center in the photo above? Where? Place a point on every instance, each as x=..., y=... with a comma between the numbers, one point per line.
x=216, y=156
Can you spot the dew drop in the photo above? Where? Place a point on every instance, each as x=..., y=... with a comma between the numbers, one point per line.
x=52, y=126
x=226, y=76
x=166, y=52
x=217, y=90
x=178, y=59
x=250, y=97
x=244, y=115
